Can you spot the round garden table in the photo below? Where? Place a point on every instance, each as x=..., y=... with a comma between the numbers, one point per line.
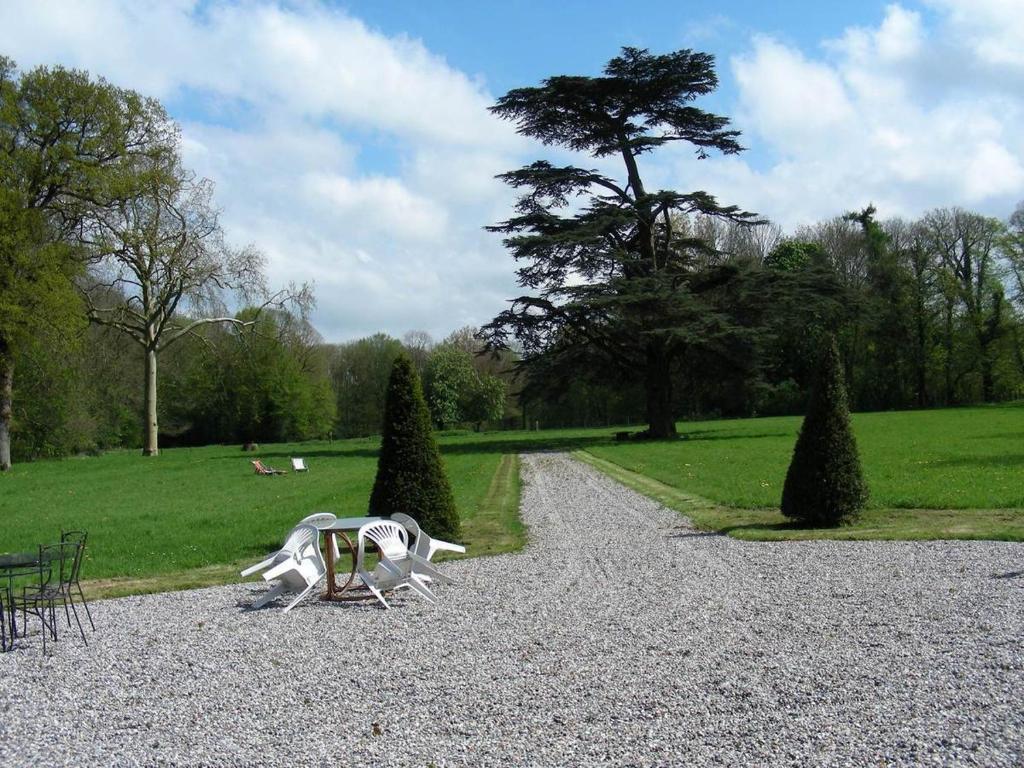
x=332, y=533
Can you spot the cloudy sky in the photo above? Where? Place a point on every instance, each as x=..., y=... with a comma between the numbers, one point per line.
x=350, y=141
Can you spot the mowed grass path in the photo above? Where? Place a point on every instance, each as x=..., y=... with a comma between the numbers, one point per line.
x=194, y=516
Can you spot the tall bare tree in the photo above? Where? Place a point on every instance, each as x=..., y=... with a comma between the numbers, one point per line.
x=164, y=250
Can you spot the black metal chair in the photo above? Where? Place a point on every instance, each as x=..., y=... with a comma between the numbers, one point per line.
x=77, y=537
x=56, y=564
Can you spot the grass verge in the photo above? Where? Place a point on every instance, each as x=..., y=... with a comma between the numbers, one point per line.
x=770, y=525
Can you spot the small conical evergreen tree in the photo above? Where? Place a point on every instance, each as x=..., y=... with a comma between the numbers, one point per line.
x=825, y=485
x=410, y=475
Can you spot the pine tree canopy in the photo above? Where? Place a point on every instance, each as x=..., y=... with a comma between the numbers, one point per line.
x=605, y=261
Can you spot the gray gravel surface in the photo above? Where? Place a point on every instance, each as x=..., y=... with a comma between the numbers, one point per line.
x=620, y=636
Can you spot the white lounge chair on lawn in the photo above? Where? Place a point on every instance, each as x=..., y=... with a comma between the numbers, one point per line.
x=298, y=567
x=299, y=465
x=425, y=546
x=395, y=567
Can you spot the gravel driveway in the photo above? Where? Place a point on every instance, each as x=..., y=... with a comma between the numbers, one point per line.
x=619, y=636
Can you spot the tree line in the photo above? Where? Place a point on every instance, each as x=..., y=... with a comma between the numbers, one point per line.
x=639, y=306
x=127, y=315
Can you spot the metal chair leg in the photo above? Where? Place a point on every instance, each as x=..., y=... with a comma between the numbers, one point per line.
x=85, y=604
x=77, y=621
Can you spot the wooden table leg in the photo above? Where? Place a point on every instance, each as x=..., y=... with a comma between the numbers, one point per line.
x=329, y=557
x=334, y=592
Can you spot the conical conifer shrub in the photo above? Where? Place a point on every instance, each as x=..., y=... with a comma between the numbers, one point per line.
x=825, y=485
x=410, y=475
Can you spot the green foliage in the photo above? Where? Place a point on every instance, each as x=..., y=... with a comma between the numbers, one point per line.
x=448, y=377
x=485, y=401
x=69, y=146
x=794, y=255
x=263, y=382
x=456, y=392
x=410, y=475
x=76, y=395
x=825, y=485
x=359, y=375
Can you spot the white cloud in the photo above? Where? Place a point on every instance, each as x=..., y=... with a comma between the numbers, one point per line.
x=365, y=162
x=356, y=160
x=383, y=205
x=790, y=98
x=898, y=114
x=993, y=29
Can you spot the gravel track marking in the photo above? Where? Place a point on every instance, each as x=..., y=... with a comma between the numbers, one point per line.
x=619, y=636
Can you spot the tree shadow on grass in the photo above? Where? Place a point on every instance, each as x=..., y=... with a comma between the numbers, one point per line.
x=1009, y=461
x=716, y=434
x=693, y=535
x=509, y=445
x=791, y=526
x=525, y=443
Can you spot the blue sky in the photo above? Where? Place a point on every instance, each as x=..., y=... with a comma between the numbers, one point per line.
x=351, y=143
x=516, y=42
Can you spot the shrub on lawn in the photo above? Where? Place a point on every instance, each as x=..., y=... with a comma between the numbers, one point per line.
x=410, y=475
x=825, y=485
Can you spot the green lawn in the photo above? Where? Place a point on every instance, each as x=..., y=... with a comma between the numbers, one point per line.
x=195, y=516
x=964, y=458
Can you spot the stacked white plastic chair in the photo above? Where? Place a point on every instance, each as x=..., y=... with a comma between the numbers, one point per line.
x=298, y=567
x=318, y=520
x=321, y=520
x=424, y=546
x=397, y=566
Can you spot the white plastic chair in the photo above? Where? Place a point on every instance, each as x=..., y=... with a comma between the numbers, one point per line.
x=298, y=567
x=395, y=566
x=321, y=520
x=299, y=465
x=318, y=520
x=425, y=546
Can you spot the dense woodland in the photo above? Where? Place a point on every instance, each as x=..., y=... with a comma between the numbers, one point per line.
x=112, y=261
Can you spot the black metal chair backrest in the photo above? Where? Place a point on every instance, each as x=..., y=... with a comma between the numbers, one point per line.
x=75, y=537
x=57, y=565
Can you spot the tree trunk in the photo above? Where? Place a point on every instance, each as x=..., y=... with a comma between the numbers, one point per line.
x=150, y=446
x=988, y=385
x=948, y=344
x=921, y=360
x=660, y=423
x=6, y=390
